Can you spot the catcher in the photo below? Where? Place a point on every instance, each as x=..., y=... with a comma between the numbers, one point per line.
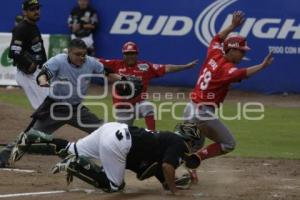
x=128, y=99
x=119, y=147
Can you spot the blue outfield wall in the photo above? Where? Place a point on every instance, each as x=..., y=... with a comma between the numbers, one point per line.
x=178, y=31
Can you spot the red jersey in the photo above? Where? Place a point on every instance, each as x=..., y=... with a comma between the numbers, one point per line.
x=144, y=70
x=216, y=75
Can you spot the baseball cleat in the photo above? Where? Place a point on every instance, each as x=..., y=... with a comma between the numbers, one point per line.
x=63, y=153
x=63, y=165
x=19, y=149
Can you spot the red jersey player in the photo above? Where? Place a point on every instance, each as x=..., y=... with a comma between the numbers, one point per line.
x=126, y=110
x=216, y=75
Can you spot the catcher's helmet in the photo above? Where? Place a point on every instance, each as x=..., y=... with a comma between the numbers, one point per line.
x=130, y=47
x=235, y=42
x=188, y=130
x=191, y=134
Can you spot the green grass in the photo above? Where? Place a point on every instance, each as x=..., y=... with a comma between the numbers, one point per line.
x=276, y=136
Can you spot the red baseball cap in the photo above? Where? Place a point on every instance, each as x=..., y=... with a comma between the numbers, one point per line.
x=236, y=42
x=130, y=47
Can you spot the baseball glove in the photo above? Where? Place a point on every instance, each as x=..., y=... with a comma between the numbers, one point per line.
x=192, y=161
x=129, y=87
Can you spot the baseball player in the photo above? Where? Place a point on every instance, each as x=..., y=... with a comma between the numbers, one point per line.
x=69, y=76
x=127, y=110
x=119, y=147
x=217, y=73
x=83, y=21
x=28, y=53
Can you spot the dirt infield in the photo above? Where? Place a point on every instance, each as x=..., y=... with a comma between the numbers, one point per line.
x=226, y=178
x=220, y=178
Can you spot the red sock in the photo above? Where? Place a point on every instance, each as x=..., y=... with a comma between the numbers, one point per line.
x=211, y=150
x=150, y=122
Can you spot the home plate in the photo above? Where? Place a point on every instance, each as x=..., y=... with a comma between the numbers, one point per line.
x=88, y=191
x=17, y=170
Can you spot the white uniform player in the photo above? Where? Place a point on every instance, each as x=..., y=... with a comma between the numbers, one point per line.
x=110, y=144
x=119, y=147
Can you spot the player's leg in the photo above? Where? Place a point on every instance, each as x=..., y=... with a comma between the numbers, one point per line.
x=85, y=120
x=114, y=145
x=44, y=122
x=34, y=93
x=46, y=125
x=223, y=138
x=79, y=163
x=40, y=93
x=145, y=109
x=90, y=44
x=25, y=81
x=37, y=139
x=190, y=115
x=212, y=128
x=85, y=169
x=125, y=115
x=5, y=155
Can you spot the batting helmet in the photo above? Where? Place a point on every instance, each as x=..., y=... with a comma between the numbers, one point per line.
x=235, y=42
x=130, y=47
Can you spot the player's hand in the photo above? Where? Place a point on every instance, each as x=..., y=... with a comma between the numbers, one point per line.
x=238, y=18
x=268, y=60
x=32, y=68
x=193, y=175
x=192, y=64
x=43, y=82
x=75, y=27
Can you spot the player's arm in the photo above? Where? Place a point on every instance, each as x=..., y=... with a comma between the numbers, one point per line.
x=111, y=76
x=109, y=70
x=237, y=20
x=94, y=22
x=49, y=71
x=169, y=174
x=256, y=68
x=235, y=75
x=176, y=68
x=89, y=26
x=114, y=77
x=21, y=58
x=171, y=161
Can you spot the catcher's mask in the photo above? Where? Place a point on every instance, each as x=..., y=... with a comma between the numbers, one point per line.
x=191, y=134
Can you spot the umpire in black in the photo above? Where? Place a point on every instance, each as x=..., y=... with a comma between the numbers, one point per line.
x=28, y=52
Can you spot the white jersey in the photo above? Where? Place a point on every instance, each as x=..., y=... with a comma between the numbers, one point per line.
x=110, y=145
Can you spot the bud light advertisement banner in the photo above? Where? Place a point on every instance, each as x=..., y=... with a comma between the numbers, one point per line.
x=177, y=31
